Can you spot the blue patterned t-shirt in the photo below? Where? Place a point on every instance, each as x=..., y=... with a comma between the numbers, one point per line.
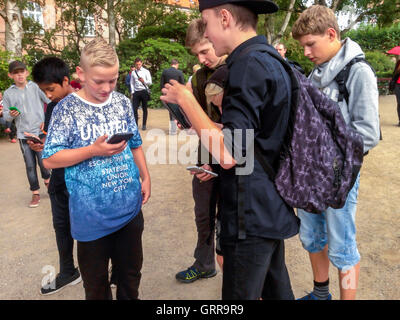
x=105, y=192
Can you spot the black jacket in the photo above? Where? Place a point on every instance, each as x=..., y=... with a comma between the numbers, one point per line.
x=257, y=98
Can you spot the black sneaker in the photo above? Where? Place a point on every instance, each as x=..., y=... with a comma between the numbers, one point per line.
x=192, y=274
x=61, y=282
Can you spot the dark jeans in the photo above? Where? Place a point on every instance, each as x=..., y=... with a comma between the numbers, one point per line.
x=65, y=243
x=397, y=92
x=140, y=97
x=125, y=247
x=32, y=158
x=255, y=268
x=204, y=253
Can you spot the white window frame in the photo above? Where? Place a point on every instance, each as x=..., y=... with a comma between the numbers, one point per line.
x=35, y=13
x=89, y=28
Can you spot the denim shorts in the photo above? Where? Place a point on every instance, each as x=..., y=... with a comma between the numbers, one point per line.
x=335, y=228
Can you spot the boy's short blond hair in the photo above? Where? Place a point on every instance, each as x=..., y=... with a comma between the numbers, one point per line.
x=195, y=33
x=315, y=20
x=98, y=53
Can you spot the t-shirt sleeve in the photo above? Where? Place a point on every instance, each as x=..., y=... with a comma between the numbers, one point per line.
x=60, y=131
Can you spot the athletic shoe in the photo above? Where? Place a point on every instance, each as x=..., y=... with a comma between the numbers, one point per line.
x=192, y=274
x=61, y=282
x=13, y=140
x=35, y=201
x=7, y=130
x=143, y=127
x=311, y=296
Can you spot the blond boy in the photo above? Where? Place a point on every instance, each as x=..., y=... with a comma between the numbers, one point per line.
x=103, y=179
x=331, y=236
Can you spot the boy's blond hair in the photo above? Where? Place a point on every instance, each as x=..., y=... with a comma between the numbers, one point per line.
x=315, y=20
x=98, y=53
x=195, y=33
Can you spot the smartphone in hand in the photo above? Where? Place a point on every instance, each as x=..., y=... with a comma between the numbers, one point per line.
x=118, y=137
x=14, y=109
x=197, y=169
x=34, y=139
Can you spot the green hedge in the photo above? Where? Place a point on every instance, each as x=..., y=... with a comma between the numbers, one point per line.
x=372, y=38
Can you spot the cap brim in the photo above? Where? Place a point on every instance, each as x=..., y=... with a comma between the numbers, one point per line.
x=17, y=68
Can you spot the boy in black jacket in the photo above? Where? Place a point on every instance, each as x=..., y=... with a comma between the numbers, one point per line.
x=254, y=218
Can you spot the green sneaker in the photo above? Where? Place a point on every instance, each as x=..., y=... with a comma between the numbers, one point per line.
x=192, y=274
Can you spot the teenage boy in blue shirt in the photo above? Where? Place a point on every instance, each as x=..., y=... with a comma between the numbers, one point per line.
x=107, y=183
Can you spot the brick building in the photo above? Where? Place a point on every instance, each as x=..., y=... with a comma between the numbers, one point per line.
x=49, y=14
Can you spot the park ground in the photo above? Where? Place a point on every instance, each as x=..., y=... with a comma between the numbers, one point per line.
x=28, y=247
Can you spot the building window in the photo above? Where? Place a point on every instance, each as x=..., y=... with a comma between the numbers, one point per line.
x=89, y=28
x=34, y=12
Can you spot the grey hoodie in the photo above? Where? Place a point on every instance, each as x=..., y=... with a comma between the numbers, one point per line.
x=30, y=101
x=362, y=112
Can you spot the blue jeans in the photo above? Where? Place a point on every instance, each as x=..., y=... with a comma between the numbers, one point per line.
x=32, y=158
x=335, y=228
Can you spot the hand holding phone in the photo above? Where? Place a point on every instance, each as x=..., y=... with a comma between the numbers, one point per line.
x=118, y=137
x=197, y=170
x=33, y=138
x=14, y=109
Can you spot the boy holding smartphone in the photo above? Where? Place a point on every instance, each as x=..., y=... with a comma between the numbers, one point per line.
x=24, y=102
x=103, y=179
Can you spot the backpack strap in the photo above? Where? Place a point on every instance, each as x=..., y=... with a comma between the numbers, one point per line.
x=343, y=75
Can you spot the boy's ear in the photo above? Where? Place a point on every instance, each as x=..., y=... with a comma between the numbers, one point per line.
x=10, y=75
x=332, y=34
x=80, y=72
x=65, y=81
x=226, y=18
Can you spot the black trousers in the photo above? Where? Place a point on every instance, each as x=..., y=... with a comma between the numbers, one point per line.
x=62, y=227
x=125, y=247
x=204, y=252
x=140, y=97
x=397, y=92
x=255, y=268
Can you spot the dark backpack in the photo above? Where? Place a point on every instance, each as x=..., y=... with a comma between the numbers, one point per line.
x=321, y=156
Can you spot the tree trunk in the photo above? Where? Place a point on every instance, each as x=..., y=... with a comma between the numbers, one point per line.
x=285, y=24
x=14, y=31
x=111, y=23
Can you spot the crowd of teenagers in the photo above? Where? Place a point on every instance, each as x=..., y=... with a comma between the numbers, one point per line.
x=97, y=188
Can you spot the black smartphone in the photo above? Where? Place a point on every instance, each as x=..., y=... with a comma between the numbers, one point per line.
x=118, y=137
x=34, y=139
x=178, y=114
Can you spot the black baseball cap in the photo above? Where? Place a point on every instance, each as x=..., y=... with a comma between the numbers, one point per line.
x=16, y=65
x=257, y=6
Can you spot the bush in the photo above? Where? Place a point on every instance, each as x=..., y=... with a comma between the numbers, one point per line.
x=295, y=52
x=382, y=63
x=372, y=38
x=156, y=55
x=5, y=81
